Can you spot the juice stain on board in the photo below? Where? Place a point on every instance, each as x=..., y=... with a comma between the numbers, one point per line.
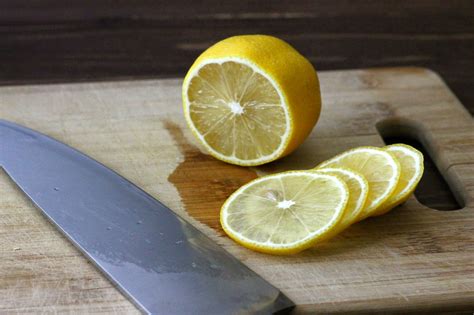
x=203, y=182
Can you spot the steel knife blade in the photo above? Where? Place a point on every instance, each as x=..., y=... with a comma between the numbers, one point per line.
x=158, y=260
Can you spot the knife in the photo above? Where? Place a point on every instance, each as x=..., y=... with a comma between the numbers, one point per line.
x=162, y=263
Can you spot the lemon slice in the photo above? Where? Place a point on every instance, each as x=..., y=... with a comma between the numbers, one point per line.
x=251, y=99
x=380, y=169
x=286, y=212
x=358, y=190
x=411, y=162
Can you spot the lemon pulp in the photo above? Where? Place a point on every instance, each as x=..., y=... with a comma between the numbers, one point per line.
x=237, y=111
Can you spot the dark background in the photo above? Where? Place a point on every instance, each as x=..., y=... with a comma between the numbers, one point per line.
x=44, y=41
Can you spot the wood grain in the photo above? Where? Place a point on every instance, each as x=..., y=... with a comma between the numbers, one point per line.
x=413, y=259
x=74, y=40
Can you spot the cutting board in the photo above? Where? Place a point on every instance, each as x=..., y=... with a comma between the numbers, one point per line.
x=412, y=259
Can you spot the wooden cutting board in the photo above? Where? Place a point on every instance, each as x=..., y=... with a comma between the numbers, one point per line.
x=412, y=259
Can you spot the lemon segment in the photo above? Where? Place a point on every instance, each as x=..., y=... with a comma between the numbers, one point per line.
x=251, y=99
x=380, y=169
x=286, y=212
x=358, y=190
x=411, y=163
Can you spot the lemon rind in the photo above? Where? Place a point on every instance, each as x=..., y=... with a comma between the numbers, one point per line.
x=364, y=184
x=375, y=205
x=412, y=183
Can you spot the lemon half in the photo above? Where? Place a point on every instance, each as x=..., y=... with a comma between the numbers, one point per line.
x=286, y=212
x=251, y=99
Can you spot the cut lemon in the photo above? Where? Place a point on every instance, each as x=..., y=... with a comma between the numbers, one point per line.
x=285, y=213
x=251, y=99
x=380, y=169
x=411, y=162
x=358, y=190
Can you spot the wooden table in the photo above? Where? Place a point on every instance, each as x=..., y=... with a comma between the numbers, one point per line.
x=53, y=40
x=63, y=41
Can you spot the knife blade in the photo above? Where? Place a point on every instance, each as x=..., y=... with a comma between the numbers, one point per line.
x=162, y=263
